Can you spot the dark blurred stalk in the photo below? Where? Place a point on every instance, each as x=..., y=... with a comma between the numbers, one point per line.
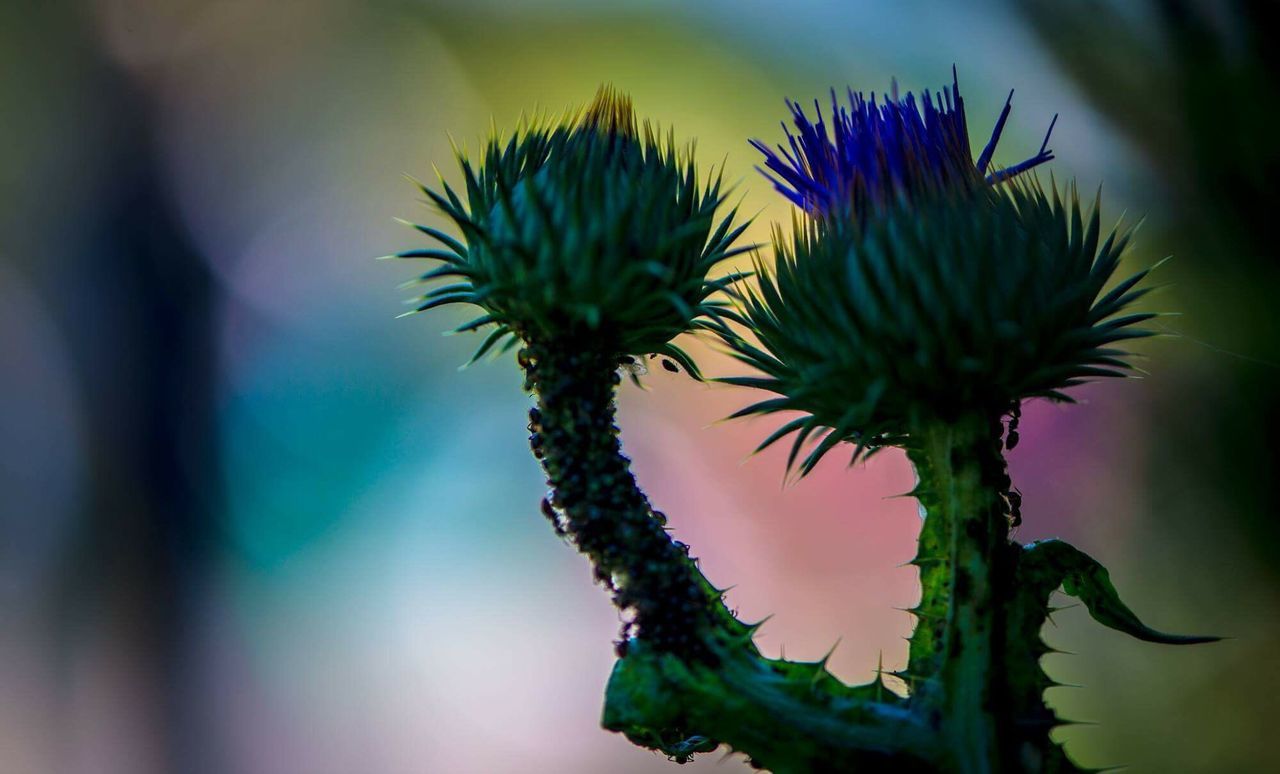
x=136, y=303
x=154, y=459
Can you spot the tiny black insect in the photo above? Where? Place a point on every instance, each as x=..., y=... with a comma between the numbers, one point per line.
x=549, y=511
x=1014, y=498
x=670, y=366
x=1011, y=440
x=633, y=367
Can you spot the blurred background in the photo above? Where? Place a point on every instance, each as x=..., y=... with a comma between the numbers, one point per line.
x=250, y=522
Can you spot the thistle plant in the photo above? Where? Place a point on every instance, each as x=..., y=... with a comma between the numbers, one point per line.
x=919, y=297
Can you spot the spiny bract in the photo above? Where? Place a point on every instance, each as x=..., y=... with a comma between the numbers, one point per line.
x=934, y=302
x=593, y=229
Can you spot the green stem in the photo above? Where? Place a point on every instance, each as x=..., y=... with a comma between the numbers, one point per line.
x=788, y=717
x=967, y=564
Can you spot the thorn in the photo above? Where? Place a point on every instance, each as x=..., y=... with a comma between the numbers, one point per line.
x=823, y=661
x=926, y=561
x=880, y=676
x=910, y=678
x=756, y=626
x=900, y=495
x=920, y=612
x=1062, y=723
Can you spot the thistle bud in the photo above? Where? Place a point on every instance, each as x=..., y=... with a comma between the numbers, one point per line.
x=595, y=229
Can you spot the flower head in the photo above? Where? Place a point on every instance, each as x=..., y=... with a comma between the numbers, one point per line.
x=947, y=307
x=874, y=153
x=595, y=229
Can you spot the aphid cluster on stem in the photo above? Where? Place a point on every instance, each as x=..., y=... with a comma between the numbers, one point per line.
x=1011, y=495
x=596, y=505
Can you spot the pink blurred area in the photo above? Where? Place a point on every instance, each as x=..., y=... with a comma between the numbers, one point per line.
x=379, y=592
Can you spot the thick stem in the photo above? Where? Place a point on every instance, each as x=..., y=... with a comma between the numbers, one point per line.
x=690, y=677
x=595, y=502
x=967, y=565
x=790, y=718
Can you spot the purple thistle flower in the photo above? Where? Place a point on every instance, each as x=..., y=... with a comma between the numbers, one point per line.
x=877, y=152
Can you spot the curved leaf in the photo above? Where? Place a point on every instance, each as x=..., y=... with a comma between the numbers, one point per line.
x=1050, y=563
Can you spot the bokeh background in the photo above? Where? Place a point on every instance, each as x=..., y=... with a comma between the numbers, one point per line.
x=253, y=523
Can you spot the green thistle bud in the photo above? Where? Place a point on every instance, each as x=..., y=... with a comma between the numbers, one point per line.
x=934, y=308
x=595, y=229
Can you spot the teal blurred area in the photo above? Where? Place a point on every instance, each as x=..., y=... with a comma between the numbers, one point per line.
x=253, y=523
